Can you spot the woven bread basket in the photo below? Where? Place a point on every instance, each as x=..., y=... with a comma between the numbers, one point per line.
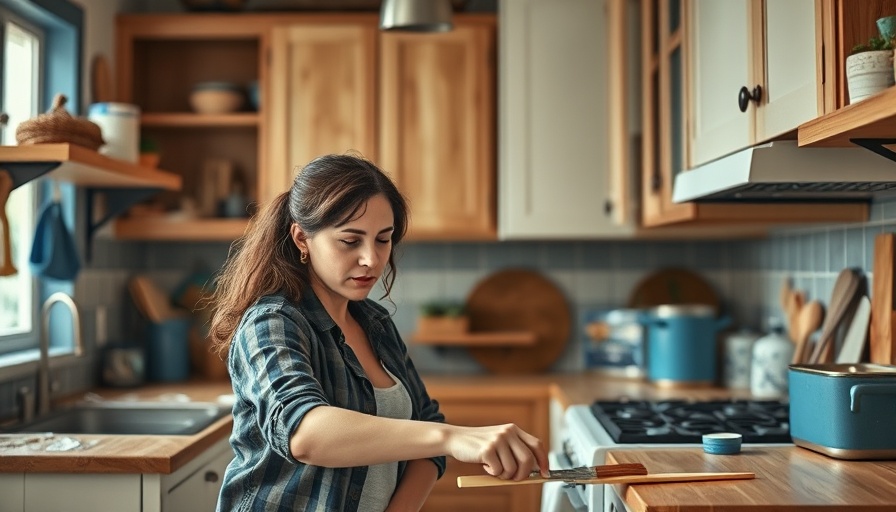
x=57, y=125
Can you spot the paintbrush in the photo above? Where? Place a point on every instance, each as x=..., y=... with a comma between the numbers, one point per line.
x=488, y=481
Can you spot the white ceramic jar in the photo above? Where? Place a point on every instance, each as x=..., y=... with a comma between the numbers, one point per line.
x=737, y=356
x=771, y=358
x=120, y=124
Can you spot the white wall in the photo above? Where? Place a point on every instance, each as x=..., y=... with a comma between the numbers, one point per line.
x=99, y=36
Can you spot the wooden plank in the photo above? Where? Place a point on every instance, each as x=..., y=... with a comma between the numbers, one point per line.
x=882, y=300
x=871, y=118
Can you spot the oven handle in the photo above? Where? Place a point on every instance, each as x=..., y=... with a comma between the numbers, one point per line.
x=561, y=461
x=575, y=499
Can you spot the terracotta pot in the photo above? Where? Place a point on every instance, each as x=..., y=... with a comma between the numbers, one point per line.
x=868, y=73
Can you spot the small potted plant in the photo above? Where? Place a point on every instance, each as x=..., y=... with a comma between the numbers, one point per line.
x=442, y=318
x=869, y=68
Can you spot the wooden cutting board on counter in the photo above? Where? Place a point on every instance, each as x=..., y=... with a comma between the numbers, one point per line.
x=519, y=300
x=882, y=329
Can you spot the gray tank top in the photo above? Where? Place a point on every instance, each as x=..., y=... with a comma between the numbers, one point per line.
x=391, y=402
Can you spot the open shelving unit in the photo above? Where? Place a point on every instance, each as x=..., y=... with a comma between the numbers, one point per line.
x=870, y=123
x=118, y=182
x=477, y=339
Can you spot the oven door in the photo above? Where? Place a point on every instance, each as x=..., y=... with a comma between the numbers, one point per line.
x=556, y=496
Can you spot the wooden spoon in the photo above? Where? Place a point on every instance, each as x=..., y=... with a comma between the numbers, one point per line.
x=841, y=302
x=809, y=320
x=6, y=266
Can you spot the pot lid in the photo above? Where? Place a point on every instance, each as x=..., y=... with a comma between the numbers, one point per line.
x=679, y=310
x=864, y=370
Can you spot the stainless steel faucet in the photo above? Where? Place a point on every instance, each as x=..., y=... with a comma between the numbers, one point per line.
x=43, y=369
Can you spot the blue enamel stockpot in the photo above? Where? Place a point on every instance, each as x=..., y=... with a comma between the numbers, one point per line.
x=845, y=411
x=681, y=344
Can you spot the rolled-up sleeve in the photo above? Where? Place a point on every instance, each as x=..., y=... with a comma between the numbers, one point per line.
x=276, y=350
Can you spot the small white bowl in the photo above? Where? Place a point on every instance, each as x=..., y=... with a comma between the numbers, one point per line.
x=216, y=98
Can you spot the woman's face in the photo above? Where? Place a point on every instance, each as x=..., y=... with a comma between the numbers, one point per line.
x=347, y=260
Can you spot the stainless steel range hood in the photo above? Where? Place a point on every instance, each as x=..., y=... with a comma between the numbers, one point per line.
x=780, y=171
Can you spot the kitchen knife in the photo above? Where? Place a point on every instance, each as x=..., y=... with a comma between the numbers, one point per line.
x=489, y=481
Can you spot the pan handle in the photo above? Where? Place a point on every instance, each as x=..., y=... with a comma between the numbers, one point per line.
x=856, y=392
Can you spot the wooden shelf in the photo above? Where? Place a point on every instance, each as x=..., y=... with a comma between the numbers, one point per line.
x=166, y=228
x=477, y=339
x=191, y=120
x=83, y=167
x=872, y=118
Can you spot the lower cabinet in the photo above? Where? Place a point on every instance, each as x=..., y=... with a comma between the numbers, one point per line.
x=474, y=406
x=192, y=488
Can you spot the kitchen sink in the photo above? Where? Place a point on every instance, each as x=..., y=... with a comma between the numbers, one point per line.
x=117, y=418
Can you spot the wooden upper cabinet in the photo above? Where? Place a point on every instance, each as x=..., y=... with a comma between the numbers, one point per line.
x=437, y=127
x=322, y=94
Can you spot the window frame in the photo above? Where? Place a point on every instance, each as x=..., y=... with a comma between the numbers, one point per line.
x=61, y=24
x=27, y=338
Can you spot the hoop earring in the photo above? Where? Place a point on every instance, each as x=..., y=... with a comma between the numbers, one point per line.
x=304, y=257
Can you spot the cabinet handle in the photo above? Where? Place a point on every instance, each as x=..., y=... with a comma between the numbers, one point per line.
x=745, y=96
x=657, y=182
x=608, y=207
x=211, y=476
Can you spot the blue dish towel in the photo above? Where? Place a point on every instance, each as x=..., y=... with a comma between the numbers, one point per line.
x=53, y=253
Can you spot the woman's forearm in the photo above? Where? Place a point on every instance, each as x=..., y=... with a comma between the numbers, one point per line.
x=336, y=437
x=415, y=485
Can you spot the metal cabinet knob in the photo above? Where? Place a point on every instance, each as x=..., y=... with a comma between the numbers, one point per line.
x=745, y=96
x=211, y=476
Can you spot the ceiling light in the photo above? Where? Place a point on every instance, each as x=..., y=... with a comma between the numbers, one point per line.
x=416, y=15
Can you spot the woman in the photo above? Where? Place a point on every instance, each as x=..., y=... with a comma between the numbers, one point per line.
x=330, y=414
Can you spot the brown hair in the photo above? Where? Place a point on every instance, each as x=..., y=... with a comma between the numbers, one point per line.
x=327, y=192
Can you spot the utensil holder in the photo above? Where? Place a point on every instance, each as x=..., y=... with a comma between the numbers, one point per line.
x=167, y=351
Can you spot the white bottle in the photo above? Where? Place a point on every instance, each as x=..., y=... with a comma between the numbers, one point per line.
x=769, y=367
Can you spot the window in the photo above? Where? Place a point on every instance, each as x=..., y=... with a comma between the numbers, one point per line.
x=21, y=86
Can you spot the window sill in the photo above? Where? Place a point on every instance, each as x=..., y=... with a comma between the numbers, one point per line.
x=24, y=363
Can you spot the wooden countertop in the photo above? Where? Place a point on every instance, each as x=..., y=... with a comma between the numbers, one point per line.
x=787, y=477
x=568, y=389
x=128, y=454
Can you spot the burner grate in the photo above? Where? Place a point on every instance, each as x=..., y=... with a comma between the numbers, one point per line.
x=679, y=421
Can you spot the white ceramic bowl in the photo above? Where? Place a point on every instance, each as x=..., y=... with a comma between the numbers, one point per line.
x=216, y=98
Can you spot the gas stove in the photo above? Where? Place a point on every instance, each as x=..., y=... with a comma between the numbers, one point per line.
x=680, y=421
x=590, y=431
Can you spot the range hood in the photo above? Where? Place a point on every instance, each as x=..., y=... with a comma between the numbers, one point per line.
x=781, y=171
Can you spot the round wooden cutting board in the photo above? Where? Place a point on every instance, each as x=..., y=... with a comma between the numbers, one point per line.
x=673, y=286
x=519, y=300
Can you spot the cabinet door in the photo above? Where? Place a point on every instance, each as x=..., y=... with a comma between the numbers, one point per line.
x=322, y=95
x=199, y=491
x=12, y=488
x=82, y=492
x=437, y=127
x=792, y=84
x=720, y=58
x=530, y=415
x=555, y=176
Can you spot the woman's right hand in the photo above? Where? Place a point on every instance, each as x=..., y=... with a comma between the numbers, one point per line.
x=505, y=451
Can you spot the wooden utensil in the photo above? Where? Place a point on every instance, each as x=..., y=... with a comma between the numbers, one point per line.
x=842, y=298
x=809, y=320
x=854, y=342
x=151, y=301
x=881, y=343
x=7, y=268
x=519, y=300
x=491, y=481
x=101, y=80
